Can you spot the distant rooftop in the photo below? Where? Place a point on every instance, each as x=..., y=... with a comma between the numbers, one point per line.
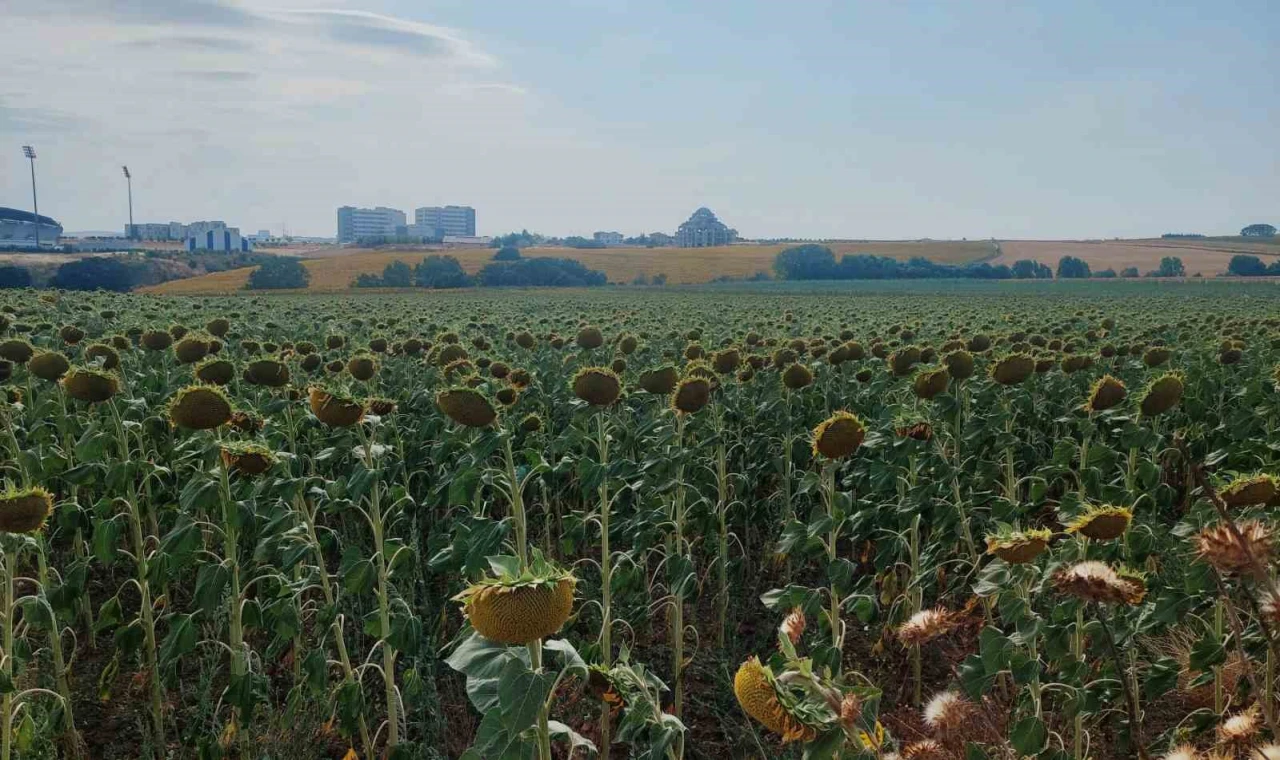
x=17, y=215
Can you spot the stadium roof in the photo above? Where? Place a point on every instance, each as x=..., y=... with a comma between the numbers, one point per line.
x=17, y=215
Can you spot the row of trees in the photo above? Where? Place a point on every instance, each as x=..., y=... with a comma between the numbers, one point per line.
x=817, y=262
x=1251, y=266
x=506, y=270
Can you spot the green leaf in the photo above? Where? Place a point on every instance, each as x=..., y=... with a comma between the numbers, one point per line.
x=504, y=566
x=570, y=661
x=211, y=582
x=181, y=639
x=576, y=741
x=1028, y=735
x=521, y=693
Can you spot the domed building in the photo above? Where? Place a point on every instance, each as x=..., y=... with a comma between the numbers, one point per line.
x=704, y=230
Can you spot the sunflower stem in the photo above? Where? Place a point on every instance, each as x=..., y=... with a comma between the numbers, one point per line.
x=606, y=577
x=1135, y=717
x=6, y=653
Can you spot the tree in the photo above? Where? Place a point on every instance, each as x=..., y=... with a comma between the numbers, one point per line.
x=1171, y=266
x=507, y=253
x=95, y=273
x=440, y=272
x=1105, y=274
x=659, y=279
x=1129, y=272
x=1072, y=268
x=1246, y=266
x=12, y=276
x=367, y=280
x=543, y=271
x=1258, y=230
x=805, y=262
x=280, y=273
x=397, y=274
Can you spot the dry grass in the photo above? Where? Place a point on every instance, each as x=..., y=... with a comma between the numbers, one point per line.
x=1208, y=258
x=338, y=267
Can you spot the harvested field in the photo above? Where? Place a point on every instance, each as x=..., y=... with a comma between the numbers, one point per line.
x=1207, y=258
x=334, y=272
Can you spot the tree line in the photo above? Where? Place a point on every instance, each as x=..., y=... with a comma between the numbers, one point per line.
x=818, y=262
x=507, y=269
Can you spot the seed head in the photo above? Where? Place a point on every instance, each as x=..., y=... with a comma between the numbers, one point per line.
x=1096, y=582
x=597, y=386
x=838, y=436
x=1102, y=523
x=1218, y=546
x=947, y=713
x=1106, y=393
x=926, y=625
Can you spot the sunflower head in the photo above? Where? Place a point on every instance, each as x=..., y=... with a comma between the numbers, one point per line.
x=24, y=511
x=796, y=376
x=517, y=608
x=1013, y=369
x=362, y=367
x=1102, y=522
x=90, y=385
x=190, y=349
x=726, y=362
x=466, y=406
x=590, y=338
x=1106, y=392
x=1162, y=394
x=248, y=459
x=959, y=364
x=267, y=372
x=1217, y=545
x=691, y=395
x=929, y=383
x=759, y=695
x=1250, y=490
x=199, y=407
x=838, y=436
x=216, y=371
x=333, y=409
x=48, y=365
x=1018, y=547
x=597, y=386
x=1092, y=581
x=927, y=625
x=947, y=714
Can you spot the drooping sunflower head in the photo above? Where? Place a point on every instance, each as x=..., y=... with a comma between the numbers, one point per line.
x=590, y=338
x=1018, y=547
x=48, y=365
x=1162, y=394
x=518, y=609
x=1217, y=545
x=1013, y=369
x=216, y=371
x=691, y=395
x=334, y=409
x=90, y=385
x=597, y=386
x=959, y=364
x=1106, y=393
x=838, y=436
x=1240, y=730
x=758, y=694
x=660, y=381
x=266, y=372
x=948, y=713
x=24, y=511
x=382, y=406
x=248, y=459
x=199, y=407
x=1102, y=522
x=929, y=383
x=796, y=376
x=927, y=625
x=362, y=367
x=467, y=407
x=1092, y=581
x=726, y=361
x=1249, y=490
x=190, y=349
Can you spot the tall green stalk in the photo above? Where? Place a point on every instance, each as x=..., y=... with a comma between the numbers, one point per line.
x=6, y=654
x=606, y=578
x=230, y=542
x=378, y=525
x=60, y=676
x=677, y=601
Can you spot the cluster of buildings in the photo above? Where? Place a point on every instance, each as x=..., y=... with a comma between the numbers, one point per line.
x=196, y=236
x=434, y=223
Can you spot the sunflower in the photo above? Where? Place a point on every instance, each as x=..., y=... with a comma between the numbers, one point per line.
x=758, y=694
x=1249, y=490
x=926, y=625
x=1106, y=392
x=947, y=713
x=519, y=610
x=838, y=436
x=597, y=386
x=1018, y=547
x=1162, y=394
x=466, y=406
x=1217, y=546
x=24, y=511
x=796, y=376
x=91, y=385
x=216, y=371
x=1102, y=523
x=590, y=338
x=247, y=459
x=1013, y=369
x=48, y=365
x=199, y=407
x=691, y=394
x=334, y=410
x=362, y=367
x=1092, y=581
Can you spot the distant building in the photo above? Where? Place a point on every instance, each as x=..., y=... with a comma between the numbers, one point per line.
x=467, y=239
x=661, y=239
x=355, y=223
x=703, y=230
x=447, y=220
x=608, y=238
x=156, y=231
x=215, y=236
x=263, y=235
x=18, y=229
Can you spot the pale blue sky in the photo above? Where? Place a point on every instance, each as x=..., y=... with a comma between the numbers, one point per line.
x=808, y=119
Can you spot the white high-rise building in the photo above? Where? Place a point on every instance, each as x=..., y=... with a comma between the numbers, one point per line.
x=447, y=220
x=355, y=223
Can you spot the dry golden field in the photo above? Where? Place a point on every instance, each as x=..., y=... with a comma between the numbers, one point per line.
x=1208, y=258
x=338, y=267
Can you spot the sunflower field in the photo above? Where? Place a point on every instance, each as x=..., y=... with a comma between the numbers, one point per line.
x=999, y=522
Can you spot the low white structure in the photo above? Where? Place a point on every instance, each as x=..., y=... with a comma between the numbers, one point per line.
x=18, y=229
x=215, y=236
x=468, y=239
x=608, y=238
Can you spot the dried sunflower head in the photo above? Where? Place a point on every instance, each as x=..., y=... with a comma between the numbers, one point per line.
x=927, y=625
x=838, y=436
x=1018, y=547
x=1102, y=522
x=1092, y=581
x=1217, y=546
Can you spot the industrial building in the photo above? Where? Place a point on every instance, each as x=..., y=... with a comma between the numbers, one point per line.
x=215, y=236
x=459, y=221
x=21, y=229
x=356, y=223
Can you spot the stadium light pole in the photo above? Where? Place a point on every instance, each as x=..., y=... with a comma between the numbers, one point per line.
x=30, y=153
x=129, y=179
